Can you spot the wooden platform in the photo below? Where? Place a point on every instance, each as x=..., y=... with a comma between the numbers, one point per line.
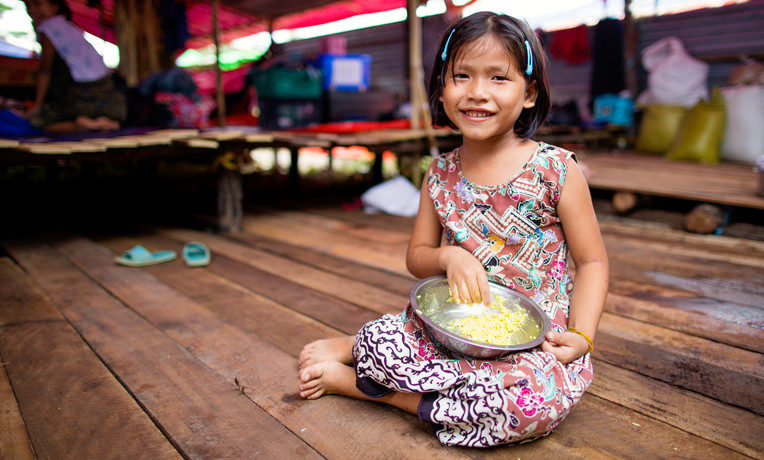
x=724, y=184
x=101, y=360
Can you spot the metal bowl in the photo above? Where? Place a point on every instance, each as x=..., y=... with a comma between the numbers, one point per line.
x=429, y=297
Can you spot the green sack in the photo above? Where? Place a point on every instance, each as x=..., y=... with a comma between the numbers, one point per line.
x=659, y=127
x=702, y=132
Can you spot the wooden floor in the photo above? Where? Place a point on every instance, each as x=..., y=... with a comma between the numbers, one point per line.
x=101, y=360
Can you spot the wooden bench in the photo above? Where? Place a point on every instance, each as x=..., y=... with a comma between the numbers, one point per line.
x=631, y=174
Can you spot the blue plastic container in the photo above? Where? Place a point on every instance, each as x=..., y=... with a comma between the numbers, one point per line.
x=613, y=109
x=347, y=72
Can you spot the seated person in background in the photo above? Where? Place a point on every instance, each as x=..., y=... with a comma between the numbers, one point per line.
x=75, y=89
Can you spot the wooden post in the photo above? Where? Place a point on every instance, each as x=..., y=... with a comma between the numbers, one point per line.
x=126, y=41
x=630, y=53
x=229, y=200
x=218, y=73
x=415, y=61
x=420, y=110
x=139, y=38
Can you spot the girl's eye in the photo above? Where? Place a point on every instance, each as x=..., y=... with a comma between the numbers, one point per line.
x=500, y=78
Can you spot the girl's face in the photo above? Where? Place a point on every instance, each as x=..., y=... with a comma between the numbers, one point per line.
x=484, y=91
x=40, y=10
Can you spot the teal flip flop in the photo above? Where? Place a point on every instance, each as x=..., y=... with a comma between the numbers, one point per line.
x=141, y=257
x=196, y=254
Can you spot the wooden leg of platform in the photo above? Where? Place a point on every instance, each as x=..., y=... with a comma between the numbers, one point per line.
x=376, y=167
x=294, y=171
x=229, y=200
x=704, y=218
x=624, y=202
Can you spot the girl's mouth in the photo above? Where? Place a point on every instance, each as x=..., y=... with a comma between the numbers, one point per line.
x=477, y=114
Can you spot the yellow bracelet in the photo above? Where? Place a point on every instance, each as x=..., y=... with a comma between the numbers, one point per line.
x=584, y=335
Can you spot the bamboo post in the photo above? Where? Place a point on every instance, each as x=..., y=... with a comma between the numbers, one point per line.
x=420, y=110
x=218, y=73
x=125, y=29
x=630, y=49
x=415, y=61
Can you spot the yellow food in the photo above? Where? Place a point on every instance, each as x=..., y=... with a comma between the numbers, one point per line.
x=496, y=326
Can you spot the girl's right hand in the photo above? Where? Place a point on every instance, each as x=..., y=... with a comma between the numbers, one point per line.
x=467, y=278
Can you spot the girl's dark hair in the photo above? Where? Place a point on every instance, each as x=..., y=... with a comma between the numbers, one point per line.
x=512, y=33
x=63, y=8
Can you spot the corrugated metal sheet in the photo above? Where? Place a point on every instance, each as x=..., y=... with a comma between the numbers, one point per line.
x=716, y=34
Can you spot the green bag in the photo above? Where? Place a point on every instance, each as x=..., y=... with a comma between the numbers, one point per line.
x=702, y=132
x=659, y=127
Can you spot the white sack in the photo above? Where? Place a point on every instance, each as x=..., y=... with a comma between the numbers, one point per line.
x=675, y=77
x=744, y=130
x=397, y=196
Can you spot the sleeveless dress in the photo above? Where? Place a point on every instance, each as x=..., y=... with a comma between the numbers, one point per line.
x=514, y=230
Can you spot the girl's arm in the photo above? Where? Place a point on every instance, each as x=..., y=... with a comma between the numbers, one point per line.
x=44, y=72
x=426, y=257
x=588, y=251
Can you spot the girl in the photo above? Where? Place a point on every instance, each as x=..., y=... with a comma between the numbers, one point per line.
x=75, y=90
x=511, y=208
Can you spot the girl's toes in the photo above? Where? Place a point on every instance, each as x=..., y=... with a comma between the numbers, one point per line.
x=306, y=394
x=308, y=385
x=311, y=372
x=316, y=395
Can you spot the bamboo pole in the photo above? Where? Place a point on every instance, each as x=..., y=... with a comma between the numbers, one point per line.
x=420, y=110
x=415, y=60
x=218, y=73
x=630, y=49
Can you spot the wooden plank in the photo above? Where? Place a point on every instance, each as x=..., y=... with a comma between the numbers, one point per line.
x=371, y=298
x=728, y=426
x=8, y=143
x=14, y=439
x=651, y=231
x=83, y=417
x=263, y=317
x=391, y=282
x=337, y=244
x=728, y=282
x=699, y=324
x=50, y=148
x=343, y=315
x=719, y=371
x=198, y=409
x=570, y=439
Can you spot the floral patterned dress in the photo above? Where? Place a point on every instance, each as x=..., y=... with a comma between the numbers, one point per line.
x=514, y=230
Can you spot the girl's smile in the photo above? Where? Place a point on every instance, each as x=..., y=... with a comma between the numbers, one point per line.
x=484, y=92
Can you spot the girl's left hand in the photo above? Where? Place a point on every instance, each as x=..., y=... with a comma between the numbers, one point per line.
x=566, y=346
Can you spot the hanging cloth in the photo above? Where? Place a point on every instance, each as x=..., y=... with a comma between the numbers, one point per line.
x=607, y=58
x=172, y=14
x=572, y=45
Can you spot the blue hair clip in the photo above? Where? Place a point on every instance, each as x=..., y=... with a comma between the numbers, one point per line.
x=529, y=68
x=444, y=55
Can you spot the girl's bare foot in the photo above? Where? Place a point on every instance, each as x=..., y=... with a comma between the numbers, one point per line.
x=338, y=349
x=326, y=378
x=332, y=377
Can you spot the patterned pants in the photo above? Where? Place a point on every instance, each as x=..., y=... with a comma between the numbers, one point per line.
x=471, y=402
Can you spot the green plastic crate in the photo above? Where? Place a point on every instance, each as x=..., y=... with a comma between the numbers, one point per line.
x=285, y=83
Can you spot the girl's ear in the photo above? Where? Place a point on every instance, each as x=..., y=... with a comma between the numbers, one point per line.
x=531, y=93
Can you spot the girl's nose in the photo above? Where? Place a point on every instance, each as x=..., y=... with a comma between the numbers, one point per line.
x=477, y=90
